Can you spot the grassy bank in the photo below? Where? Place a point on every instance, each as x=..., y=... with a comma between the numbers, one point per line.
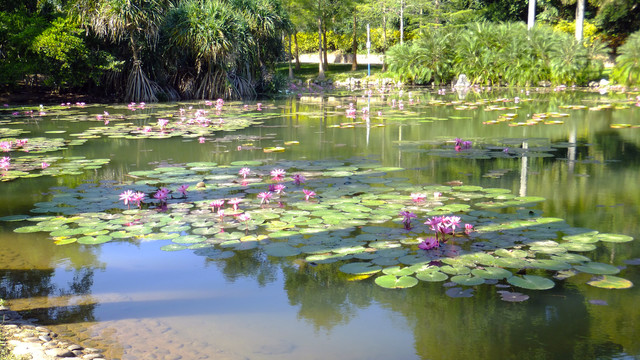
x=335, y=72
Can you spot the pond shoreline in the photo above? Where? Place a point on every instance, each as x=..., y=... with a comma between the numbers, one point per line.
x=24, y=338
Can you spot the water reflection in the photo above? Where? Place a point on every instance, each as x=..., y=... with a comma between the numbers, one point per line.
x=134, y=299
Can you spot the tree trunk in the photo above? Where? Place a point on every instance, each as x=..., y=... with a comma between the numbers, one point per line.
x=532, y=14
x=320, y=66
x=354, y=47
x=295, y=40
x=326, y=57
x=401, y=22
x=289, y=58
x=384, y=36
x=579, y=19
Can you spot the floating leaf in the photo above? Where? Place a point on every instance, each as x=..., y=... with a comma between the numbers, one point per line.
x=467, y=280
x=492, y=273
x=532, y=282
x=456, y=292
x=393, y=282
x=597, y=268
x=610, y=282
x=512, y=296
x=613, y=238
x=360, y=268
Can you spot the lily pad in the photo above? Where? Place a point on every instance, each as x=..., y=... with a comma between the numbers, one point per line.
x=597, y=268
x=394, y=282
x=532, y=282
x=610, y=282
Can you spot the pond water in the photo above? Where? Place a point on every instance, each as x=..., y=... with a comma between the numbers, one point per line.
x=555, y=205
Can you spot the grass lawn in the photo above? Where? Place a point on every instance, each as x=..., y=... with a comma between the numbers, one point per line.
x=336, y=72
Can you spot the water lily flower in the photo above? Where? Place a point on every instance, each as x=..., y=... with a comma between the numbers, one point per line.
x=244, y=172
x=217, y=204
x=183, y=189
x=5, y=146
x=437, y=195
x=162, y=123
x=234, y=202
x=45, y=165
x=298, y=179
x=259, y=106
x=279, y=189
x=202, y=139
x=138, y=197
x=418, y=197
x=406, y=218
x=468, y=228
x=451, y=222
x=505, y=150
x=162, y=194
x=429, y=243
x=244, y=217
x=221, y=214
x=265, y=197
x=308, y=194
x=5, y=162
x=127, y=197
x=277, y=174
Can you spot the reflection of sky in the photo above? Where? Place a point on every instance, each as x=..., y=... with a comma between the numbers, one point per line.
x=246, y=319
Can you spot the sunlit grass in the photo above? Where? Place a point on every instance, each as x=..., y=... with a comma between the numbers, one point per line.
x=335, y=72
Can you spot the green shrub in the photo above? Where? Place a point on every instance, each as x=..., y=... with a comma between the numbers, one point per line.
x=627, y=68
x=308, y=41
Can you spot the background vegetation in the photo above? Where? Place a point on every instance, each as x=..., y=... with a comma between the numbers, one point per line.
x=148, y=50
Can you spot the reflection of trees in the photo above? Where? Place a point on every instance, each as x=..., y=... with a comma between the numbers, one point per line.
x=251, y=264
x=325, y=297
x=31, y=279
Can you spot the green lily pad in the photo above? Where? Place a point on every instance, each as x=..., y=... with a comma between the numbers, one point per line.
x=431, y=276
x=610, y=282
x=597, y=268
x=360, y=268
x=532, y=282
x=394, y=282
x=397, y=271
x=492, y=273
x=467, y=280
x=613, y=238
x=173, y=247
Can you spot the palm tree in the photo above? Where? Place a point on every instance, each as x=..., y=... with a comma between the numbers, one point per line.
x=627, y=69
x=213, y=33
x=134, y=22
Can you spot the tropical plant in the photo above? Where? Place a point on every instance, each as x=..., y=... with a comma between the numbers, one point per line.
x=135, y=23
x=425, y=60
x=627, y=68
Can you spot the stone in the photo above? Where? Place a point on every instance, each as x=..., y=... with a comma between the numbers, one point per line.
x=74, y=347
x=57, y=352
x=91, y=356
x=45, y=338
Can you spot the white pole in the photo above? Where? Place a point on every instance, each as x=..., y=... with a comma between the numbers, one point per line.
x=368, y=52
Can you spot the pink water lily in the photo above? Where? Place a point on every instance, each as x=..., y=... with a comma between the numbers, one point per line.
x=162, y=194
x=279, y=189
x=406, y=218
x=138, y=197
x=202, y=139
x=162, y=123
x=244, y=172
x=308, y=194
x=127, y=197
x=234, y=202
x=45, y=165
x=468, y=228
x=429, y=243
x=183, y=189
x=245, y=217
x=217, y=204
x=418, y=197
x=265, y=197
x=277, y=174
x=298, y=179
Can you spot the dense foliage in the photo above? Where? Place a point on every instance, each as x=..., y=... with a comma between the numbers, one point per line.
x=627, y=69
x=145, y=50
x=498, y=54
x=149, y=50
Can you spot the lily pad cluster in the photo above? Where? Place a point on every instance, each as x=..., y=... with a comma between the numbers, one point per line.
x=353, y=221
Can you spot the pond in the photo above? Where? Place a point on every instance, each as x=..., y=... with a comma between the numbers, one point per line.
x=325, y=267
